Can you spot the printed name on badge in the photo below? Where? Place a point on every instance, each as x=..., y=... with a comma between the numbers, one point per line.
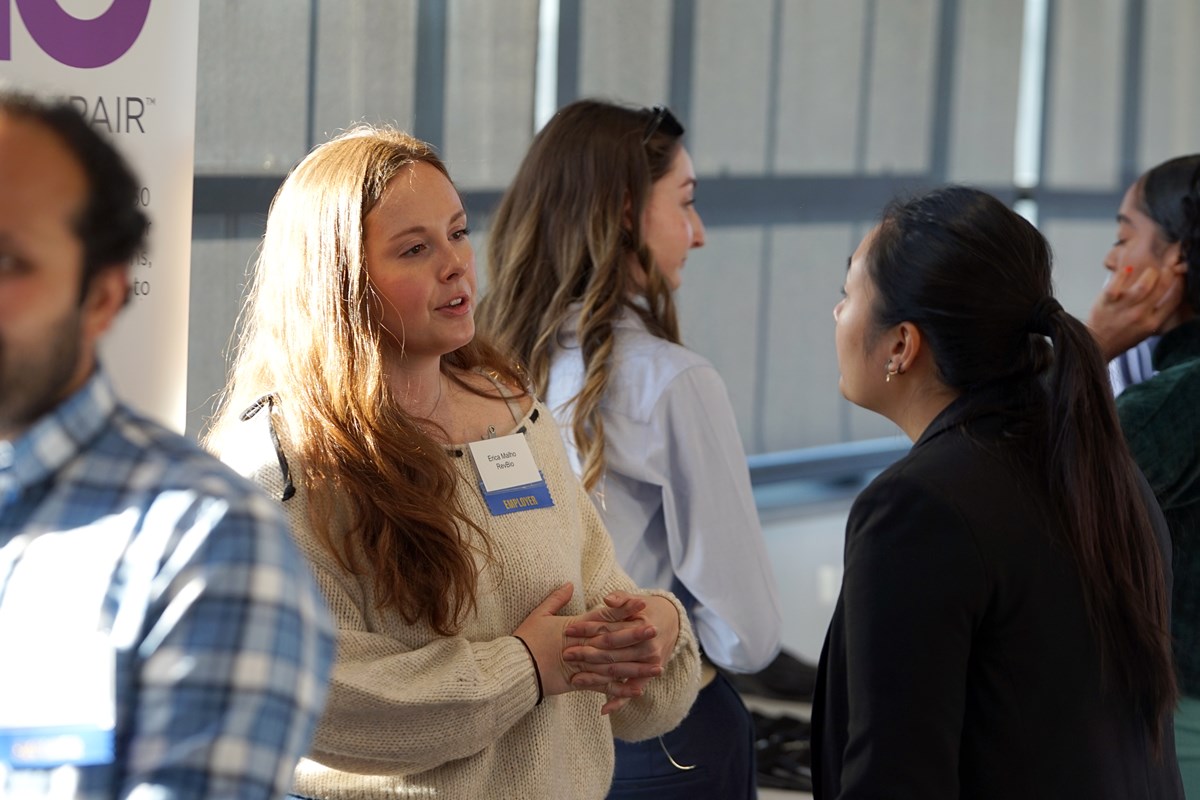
x=505, y=462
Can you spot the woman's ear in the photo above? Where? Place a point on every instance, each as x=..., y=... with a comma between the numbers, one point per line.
x=1176, y=259
x=907, y=346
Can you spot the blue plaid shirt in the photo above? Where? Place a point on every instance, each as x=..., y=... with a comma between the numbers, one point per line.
x=115, y=530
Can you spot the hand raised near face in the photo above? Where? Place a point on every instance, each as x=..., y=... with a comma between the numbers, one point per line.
x=1133, y=307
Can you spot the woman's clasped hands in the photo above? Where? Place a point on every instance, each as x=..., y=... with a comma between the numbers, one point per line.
x=615, y=648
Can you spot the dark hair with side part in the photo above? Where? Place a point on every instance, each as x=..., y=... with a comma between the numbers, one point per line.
x=563, y=234
x=1170, y=196
x=111, y=226
x=974, y=277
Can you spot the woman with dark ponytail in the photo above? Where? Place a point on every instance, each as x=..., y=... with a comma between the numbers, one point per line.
x=1158, y=234
x=1003, y=627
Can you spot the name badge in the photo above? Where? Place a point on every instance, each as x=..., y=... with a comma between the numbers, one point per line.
x=60, y=709
x=58, y=674
x=510, y=480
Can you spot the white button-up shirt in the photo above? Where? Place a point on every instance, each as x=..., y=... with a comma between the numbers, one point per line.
x=676, y=495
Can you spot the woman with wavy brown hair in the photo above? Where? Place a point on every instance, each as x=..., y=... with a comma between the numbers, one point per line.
x=585, y=251
x=432, y=496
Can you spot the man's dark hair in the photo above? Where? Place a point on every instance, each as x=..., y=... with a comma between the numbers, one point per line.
x=111, y=226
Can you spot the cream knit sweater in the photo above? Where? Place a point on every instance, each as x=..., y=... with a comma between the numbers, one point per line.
x=414, y=714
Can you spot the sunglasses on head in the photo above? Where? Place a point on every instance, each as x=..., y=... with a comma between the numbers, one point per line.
x=661, y=118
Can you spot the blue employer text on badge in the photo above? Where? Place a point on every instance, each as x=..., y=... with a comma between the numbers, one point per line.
x=519, y=498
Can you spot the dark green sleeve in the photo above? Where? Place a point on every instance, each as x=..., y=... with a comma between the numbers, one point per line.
x=1159, y=421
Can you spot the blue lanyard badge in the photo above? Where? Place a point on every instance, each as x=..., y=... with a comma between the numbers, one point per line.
x=509, y=477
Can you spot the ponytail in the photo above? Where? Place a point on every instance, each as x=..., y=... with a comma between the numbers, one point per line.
x=1105, y=520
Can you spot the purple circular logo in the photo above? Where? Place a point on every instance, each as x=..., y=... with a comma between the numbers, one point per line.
x=82, y=43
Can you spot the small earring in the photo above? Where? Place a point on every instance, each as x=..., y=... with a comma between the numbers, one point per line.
x=890, y=372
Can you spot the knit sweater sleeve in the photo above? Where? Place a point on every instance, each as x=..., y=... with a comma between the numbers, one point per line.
x=669, y=697
x=395, y=710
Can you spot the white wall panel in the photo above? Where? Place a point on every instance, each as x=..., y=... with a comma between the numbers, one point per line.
x=625, y=50
x=252, y=86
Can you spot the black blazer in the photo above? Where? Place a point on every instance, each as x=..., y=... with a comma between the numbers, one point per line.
x=959, y=662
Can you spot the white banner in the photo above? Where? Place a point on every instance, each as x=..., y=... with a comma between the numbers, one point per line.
x=130, y=67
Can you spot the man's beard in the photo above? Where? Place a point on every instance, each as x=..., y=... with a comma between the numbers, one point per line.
x=32, y=383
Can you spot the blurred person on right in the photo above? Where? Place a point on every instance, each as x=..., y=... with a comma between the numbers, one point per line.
x=1003, y=626
x=1153, y=297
